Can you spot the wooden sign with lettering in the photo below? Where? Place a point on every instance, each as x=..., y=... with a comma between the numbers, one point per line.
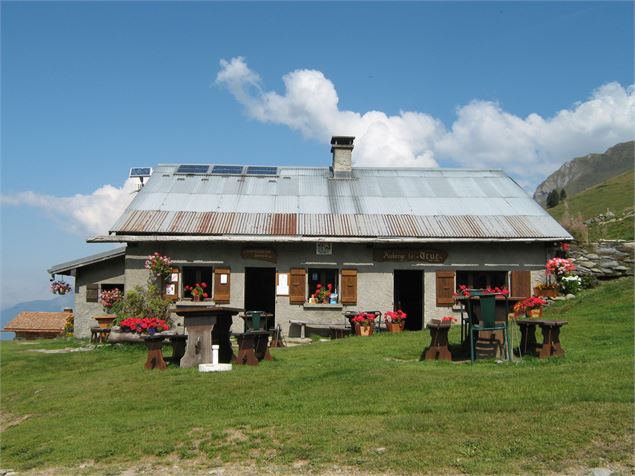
x=423, y=255
x=262, y=254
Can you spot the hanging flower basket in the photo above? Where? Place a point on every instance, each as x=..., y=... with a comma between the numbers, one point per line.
x=60, y=287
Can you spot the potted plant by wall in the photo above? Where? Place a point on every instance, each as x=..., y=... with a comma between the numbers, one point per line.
x=531, y=307
x=197, y=291
x=323, y=294
x=107, y=299
x=364, y=324
x=395, y=320
x=556, y=270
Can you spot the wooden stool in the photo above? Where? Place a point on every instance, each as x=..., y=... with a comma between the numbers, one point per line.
x=528, y=343
x=155, y=353
x=551, y=339
x=439, y=341
x=252, y=347
x=99, y=335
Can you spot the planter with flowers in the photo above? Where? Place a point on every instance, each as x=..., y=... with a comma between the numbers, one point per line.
x=134, y=329
x=364, y=323
x=60, y=287
x=531, y=307
x=549, y=290
x=395, y=320
x=197, y=291
x=556, y=270
x=322, y=294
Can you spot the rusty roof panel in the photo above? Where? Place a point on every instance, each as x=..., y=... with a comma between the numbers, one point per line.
x=354, y=225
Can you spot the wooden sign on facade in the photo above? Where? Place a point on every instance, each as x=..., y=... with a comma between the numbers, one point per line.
x=262, y=254
x=424, y=255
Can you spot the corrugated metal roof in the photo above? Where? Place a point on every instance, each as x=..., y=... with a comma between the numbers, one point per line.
x=376, y=202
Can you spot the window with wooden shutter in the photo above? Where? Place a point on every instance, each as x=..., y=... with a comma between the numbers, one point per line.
x=222, y=285
x=171, y=285
x=348, y=288
x=297, y=286
x=445, y=288
x=521, y=284
x=92, y=292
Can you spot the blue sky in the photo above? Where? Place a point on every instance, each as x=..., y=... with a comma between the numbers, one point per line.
x=90, y=89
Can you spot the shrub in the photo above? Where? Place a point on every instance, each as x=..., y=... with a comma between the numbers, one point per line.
x=140, y=302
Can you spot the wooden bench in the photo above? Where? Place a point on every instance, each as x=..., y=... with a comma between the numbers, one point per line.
x=304, y=324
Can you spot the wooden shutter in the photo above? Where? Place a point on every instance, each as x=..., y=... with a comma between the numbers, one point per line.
x=221, y=291
x=445, y=288
x=297, y=286
x=92, y=292
x=521, y=284
x=348, y=287
x=169, y=282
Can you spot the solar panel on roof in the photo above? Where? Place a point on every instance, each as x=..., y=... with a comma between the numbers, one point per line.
x=227, y=169
x=192, y=169
x=138, y=172
x=258, y=170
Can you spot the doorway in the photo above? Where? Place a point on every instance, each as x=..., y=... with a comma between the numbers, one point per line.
x=260, y=291
x=409, y=297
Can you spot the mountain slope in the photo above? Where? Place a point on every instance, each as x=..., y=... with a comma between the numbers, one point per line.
x=584, y=172
x=615, y=194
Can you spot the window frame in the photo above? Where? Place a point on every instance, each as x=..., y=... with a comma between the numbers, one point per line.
x=200, y=269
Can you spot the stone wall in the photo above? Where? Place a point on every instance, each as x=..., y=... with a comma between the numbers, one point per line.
x=606, y=259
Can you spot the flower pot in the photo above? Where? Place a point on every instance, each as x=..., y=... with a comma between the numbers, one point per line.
x=392, y=327
x=105, y=321
x=535, y=313
x=325, y=300
x=196, y=298
x=546, y=292
x=363, y=330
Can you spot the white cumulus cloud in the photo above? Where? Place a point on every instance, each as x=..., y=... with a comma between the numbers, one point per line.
x=81, y=214
x=483, y=134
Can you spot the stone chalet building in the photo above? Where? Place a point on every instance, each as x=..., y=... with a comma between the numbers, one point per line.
x=262, y=238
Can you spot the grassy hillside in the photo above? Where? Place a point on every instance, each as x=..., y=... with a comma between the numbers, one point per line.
x=357, y=405
x=615, y=194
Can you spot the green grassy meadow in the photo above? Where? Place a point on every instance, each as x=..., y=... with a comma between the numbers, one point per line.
x=356, y=405
x=616, y=194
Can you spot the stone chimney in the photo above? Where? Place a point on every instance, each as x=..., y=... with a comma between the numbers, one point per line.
x=342, y=148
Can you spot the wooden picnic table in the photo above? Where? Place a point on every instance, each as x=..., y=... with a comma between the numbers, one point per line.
x=550, y=337
x=206, y=325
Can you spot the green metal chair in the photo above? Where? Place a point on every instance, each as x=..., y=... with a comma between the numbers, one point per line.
x=255, y=321
x=487, y=319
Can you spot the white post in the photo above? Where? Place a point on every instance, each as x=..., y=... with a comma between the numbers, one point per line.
x=215, y=355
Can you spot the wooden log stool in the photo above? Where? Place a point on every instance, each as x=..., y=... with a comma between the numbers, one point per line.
x=528, y=343
x=551, y=339
x=155, y=354
x=438, y=348
x=250, y=347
